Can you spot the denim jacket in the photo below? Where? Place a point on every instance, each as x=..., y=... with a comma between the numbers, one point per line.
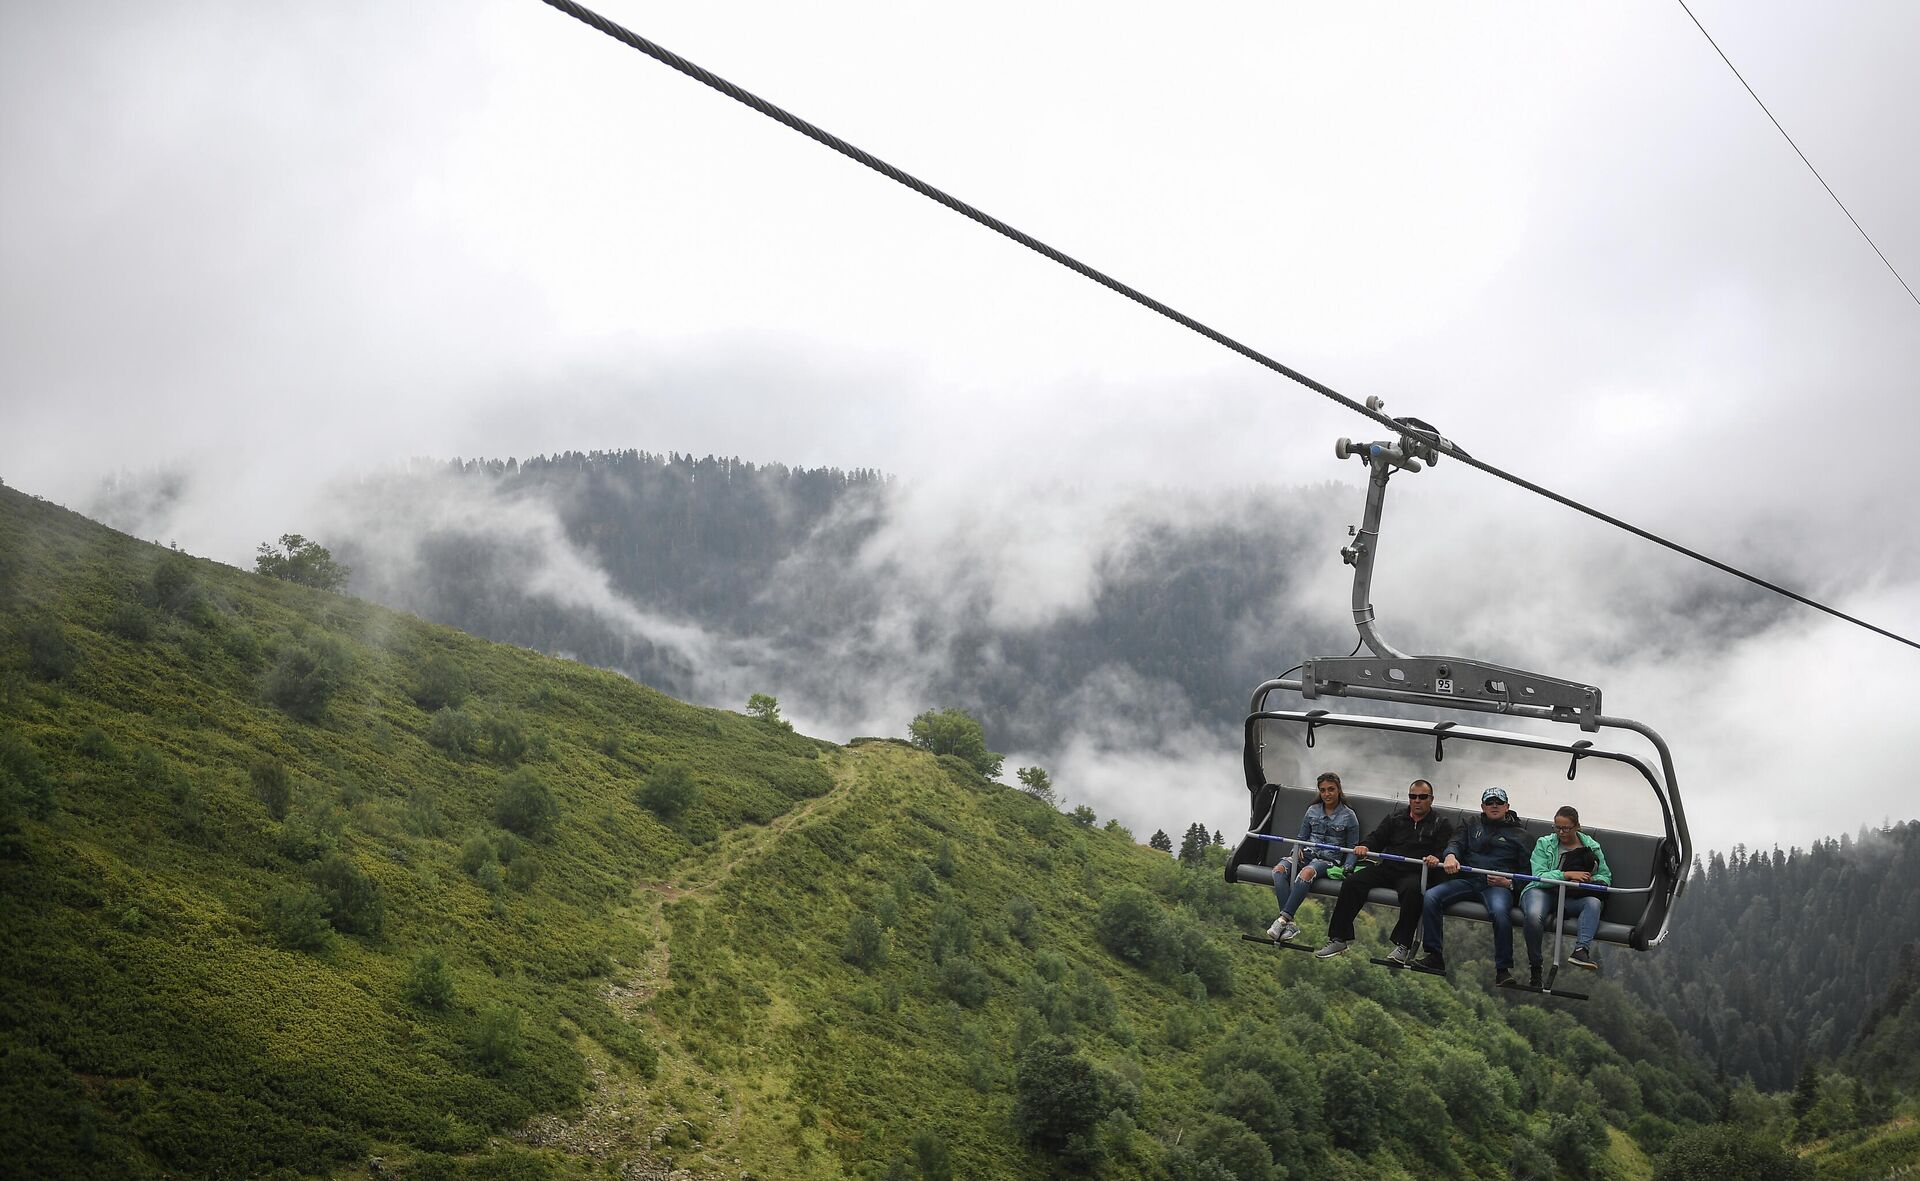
x=1342, y=828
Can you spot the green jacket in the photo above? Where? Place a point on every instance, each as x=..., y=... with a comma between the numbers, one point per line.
x=1546, y=863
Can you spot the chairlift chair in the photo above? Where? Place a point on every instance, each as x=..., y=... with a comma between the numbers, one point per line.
x=1631, y=806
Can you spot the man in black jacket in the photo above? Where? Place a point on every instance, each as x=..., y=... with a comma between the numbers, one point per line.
x=1416, y=832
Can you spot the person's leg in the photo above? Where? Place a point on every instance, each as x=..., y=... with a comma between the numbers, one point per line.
x=1499, y=903
x=1406, y=883
x=1434, y=906
x=1534, y=905
x=1283, y=885
x=1588, y=918
x=1301, y=885
x=1353, y=895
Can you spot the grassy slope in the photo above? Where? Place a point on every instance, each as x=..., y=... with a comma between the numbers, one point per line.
x=151, y=1025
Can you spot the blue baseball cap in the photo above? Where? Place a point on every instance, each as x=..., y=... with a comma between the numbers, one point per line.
x=1494, y=795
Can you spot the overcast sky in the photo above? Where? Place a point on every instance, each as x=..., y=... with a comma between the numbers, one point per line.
x=277, y=245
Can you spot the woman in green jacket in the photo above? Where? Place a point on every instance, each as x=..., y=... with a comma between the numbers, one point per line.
x=1566, y=854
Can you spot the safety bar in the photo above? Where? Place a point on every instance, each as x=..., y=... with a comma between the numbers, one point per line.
x=1595, y=887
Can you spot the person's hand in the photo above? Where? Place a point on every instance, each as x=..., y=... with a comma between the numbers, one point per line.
x=1578, y=875
x=1432, y=860
x=1359, y=851
x=1496, y=880
x=1451, y=864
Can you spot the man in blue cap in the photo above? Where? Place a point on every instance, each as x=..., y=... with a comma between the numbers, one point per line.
x=1497, y=842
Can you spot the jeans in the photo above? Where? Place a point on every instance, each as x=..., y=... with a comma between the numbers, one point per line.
x=1536, y=905
x=1497, y=899
x=1292, y=897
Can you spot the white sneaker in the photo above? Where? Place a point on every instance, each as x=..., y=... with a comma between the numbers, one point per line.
x=1278, y=926
x=1333, y=948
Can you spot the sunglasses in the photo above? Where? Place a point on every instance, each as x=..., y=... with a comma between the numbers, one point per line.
x=1417, y=795
x=1493, y=803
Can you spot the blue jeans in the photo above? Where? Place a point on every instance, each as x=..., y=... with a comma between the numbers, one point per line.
x=1294, y=895
x=1536, y=905
x=1497, y=899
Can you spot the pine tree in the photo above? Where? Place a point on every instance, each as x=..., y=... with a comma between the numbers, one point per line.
x=1161, y=841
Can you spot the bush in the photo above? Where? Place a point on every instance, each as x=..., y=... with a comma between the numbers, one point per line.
x=930, y=1153
x=526, y=806
x=24, y=782
x=305, y=678
x=1057, y=1099
x=668, y=791
x=1022, y=921
x=965, y=981
x=506, y=739
x=496, y=1041
x=1132, y=926
x=429, y=983
x=272, y=786
x=296, y=918
x=442, y=684
x=350, y=896
x=453, y=731
x=298, y=560
x=866, y=944
x=50, y=654
x=173, y=583
x=1719, y=1151
x=131, y=622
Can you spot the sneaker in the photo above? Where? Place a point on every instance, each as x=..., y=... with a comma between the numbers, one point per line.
x=1533, y=977
x=1400, y=955
x=1582, y=958
x=1274, y=932
x=1289, y=932
x=1503, y=978
x=1333, y=948
x=1433, y=961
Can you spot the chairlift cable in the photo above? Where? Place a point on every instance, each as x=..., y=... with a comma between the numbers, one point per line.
x=1798, y=152
x=707, y=78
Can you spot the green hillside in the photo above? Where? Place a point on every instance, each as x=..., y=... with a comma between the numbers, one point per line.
x=290, y=883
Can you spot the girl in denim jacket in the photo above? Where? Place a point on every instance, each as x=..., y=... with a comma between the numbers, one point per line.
x=1329, y=822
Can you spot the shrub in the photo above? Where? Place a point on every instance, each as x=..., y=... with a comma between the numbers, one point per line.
x=866, y=944
x=475, y=852
x=506, y=739
x=50, y=654
x=453, y=731
x=668, y=791
x=296, y=918
x=173, y=583
x=1719, y=1151
x=305, y=678
x=429, y=983
x=950, y=935
x=765, y=709
x=526, y=806
x=930, y=1153
x=131, y=622
x=1022, y=919
x=1132, y=926
x=442, y=684
x=272, y=785
x=965, y=981
x=1057, y=1099
x=298, y=560
x=24, y=782
x=351, y=897
x=496, y=1041
x=95, y=744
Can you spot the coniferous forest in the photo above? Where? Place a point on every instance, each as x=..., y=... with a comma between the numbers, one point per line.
x=291, y=885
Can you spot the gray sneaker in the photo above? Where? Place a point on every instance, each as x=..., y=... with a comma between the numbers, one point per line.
x=1274, y=932
x=1333, y=948
x=1400, y=956
x=1289, y=932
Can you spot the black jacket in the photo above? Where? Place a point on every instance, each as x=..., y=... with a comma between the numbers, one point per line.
x=1505, y=847
x=1400, y=835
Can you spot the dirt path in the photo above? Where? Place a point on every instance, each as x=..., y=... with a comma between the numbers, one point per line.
x=624, y=1122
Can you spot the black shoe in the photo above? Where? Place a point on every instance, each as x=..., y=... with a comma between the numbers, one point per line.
x=1533, y=977
x=1433, y=961
x=1582, y=958
x=1503, y=978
